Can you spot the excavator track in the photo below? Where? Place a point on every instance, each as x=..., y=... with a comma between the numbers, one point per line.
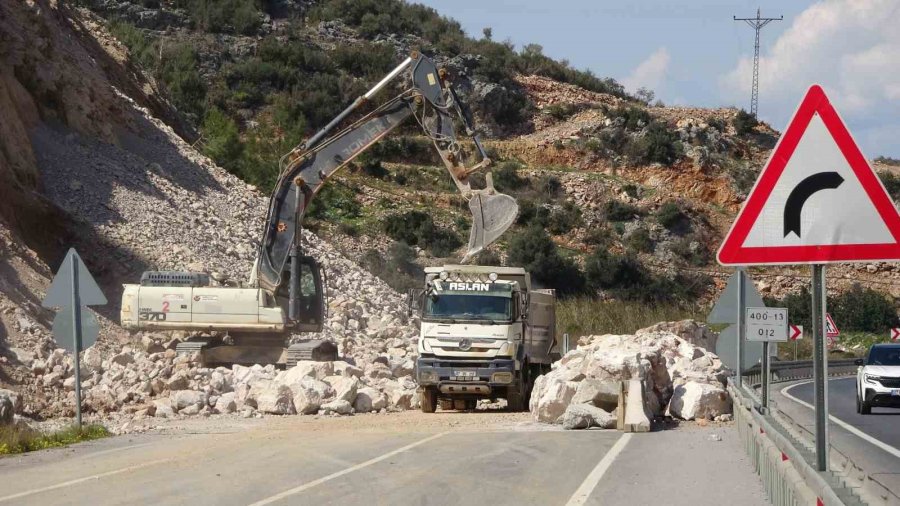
x=318, y=350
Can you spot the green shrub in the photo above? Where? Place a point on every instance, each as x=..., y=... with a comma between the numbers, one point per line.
x=657, y=144
x=887, y=160
x=397, y=268
x=226, y=16
x=691, y=251
x=635, y=117
x=617, y=210
x=598, y=236
x=626, y=278
x=372, y=167
x=334, y=202
x=744, y=122
x=671, y=216
x=20, y=439
x=640, y=241
x=507, y=178
x=864, y=309
x=365, y=59
x=858, y=309
x=488, y=257
x=891, y=183
x=222, y=142
x=561, y=110
x=631, y=190
x=564, y=219
x=538, y=254
x=417, y=228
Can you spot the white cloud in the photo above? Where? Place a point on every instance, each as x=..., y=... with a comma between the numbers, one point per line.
x=651, y=73
x=851, y=48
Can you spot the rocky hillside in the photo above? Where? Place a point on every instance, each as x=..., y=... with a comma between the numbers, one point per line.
x=634, y=198
x=93, y=165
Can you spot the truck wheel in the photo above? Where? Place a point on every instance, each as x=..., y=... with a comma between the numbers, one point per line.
x=428, y=400
x=471, y=404
x=515, y=398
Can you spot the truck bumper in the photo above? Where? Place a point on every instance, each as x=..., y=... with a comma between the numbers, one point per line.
x=465, y=377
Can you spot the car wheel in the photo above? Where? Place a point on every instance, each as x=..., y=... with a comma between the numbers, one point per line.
x=865, y=408
x=858, y=404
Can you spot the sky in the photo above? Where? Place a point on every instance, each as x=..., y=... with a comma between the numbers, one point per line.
x=693, y=53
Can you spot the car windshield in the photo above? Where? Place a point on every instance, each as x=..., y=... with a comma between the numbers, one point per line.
x=884, y=356
x=468, y=306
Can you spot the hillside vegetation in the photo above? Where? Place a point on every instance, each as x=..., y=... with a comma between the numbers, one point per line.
x=620, y=199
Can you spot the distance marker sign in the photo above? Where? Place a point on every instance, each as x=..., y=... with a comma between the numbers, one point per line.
x=767, y=324
x=816, y=201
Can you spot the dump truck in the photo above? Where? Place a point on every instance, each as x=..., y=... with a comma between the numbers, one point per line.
x=285, y=295
x=485, y=333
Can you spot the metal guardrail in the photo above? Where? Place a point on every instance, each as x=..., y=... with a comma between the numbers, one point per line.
x=791, y=370
x=781, y=461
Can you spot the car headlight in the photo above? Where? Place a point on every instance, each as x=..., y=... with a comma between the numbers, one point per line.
x=871, y=378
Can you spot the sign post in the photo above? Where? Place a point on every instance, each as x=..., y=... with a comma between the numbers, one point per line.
x=789, y=218
x=820, y=365
x=766, y=325
x=72, y=288
x=795, y=333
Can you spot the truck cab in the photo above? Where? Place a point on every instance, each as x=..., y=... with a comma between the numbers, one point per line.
x=483, y=334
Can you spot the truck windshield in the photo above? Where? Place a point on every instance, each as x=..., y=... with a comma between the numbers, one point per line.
x=884, y=355
x=468, y=307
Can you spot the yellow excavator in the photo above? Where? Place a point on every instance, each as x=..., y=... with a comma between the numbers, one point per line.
x=286, y=293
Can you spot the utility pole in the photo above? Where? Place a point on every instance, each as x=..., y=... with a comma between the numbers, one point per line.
x=757, y=24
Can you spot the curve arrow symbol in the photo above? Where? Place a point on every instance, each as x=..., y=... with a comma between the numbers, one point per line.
x=895, y=334
x=802, y=192
x=796, y=332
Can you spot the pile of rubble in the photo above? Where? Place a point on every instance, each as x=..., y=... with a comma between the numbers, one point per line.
x=680, y=378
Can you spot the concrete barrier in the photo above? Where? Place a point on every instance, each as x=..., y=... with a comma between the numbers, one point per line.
x=637, y=417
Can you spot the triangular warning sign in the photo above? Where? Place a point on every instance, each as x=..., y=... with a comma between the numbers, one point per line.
x=816, y=201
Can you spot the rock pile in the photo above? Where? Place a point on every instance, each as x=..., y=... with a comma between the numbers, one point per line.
x=682, y=380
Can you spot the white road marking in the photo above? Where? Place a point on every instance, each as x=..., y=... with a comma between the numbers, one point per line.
x=113, y=450
x=81, y=480
x=590, y=483
x=311, y=484
x=849, y=428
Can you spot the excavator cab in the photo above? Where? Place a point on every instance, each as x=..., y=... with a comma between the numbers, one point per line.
x=310, y=303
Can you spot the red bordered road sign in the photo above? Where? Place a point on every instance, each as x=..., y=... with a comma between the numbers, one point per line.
x=795, y=332
x=816, y=201
x=831, y=329
x=895, y=334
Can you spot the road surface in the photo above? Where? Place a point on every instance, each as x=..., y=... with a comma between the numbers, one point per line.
x=407, y=458
x=872, y=441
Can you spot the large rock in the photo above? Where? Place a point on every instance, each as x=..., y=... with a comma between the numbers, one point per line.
x=7, y=413
x=226, y=403
x=183, y=399
x=337, y=406
x=273, y=398
x=345, y=387
x=583, y=416
x=660, y=362
x=550, y=398
x=309, y=394
x=699, y=400
x=162, y=408
x=317, y=370
x=369, y=399
x=602, y=394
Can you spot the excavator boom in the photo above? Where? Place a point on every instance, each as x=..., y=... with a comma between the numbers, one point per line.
x=434, y=104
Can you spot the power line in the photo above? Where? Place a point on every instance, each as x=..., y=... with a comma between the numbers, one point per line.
x=757, y=24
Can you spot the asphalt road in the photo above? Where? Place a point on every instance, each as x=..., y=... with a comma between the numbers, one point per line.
x=397, y=460
x=872, y=441
x=883, y=424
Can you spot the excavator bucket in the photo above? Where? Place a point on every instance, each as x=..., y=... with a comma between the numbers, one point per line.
x=492, y=214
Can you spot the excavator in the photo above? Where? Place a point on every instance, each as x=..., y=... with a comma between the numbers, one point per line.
x=285, y=295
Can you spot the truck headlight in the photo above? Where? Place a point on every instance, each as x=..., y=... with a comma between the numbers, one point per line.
x=502, y=377
x=428, y=377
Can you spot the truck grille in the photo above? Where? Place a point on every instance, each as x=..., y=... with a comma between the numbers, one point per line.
x=890, y=382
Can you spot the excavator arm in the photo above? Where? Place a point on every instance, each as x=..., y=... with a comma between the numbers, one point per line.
x=433, y=103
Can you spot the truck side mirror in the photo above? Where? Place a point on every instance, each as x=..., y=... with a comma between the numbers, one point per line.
x=413, y=301
x=858, y=362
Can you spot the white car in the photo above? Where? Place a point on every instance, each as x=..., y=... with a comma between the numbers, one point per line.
x=878, y=378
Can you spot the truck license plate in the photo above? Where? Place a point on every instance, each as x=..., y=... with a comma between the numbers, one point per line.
x=464, y=375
